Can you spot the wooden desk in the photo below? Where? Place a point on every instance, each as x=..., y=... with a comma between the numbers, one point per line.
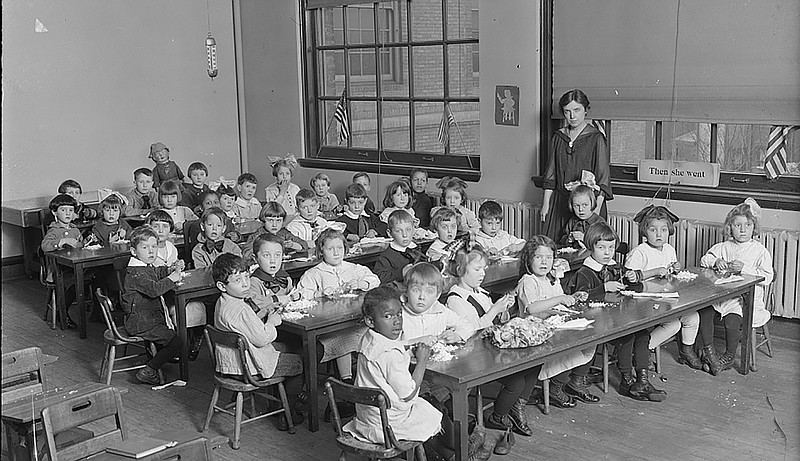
x=191, y=446
x=21, y=415
x=479, y=362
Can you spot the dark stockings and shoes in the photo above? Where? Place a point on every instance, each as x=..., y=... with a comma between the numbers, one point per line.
x=509, y=407
x=195, y=341
x=578, y=385
x=733, y=325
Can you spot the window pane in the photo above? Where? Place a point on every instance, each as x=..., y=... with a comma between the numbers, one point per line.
x=362, y=72
x=329, y=124
x=331, y=72
x=632, y=141
x=743, y=148
x=427, y=116
x=331, y=31
x=428, y=71
x=396, y=126
x=395, y=77
x=392, y=25
x=686, y=141
x=462, y=80
x=364, y=124
x=465, y=134
x=426, y=20
x=462, y=18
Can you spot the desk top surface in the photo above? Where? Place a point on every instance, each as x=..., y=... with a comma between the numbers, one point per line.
x=20, y=411
x=478, y=358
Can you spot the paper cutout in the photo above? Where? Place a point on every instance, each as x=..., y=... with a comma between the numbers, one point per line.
x=38, y=27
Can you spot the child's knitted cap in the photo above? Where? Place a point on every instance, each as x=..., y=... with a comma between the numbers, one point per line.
x=157, y=147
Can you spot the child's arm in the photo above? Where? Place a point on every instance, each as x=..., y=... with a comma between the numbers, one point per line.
x=714, y=257
x=365, y=279
x=531, y=301
x=310, y=284
x=257, y=332
x=458, y=326
x=422, y=352
x=153, y=283
x=636, y=261
x=189, y=215
x=471, y=221
x=761, y=267
x=383, y=268
x=200, y=257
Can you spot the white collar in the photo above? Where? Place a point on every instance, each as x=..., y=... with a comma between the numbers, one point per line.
x=136, y=262
x=481, y=233
x=592, y=264
x=467, y=291
x=243, y=202
x=397, y=247
x=352, y=215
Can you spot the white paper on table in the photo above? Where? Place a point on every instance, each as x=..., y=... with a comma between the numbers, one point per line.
x=575, y=324
x=374, y=240
x=635, y=294
x=731, y=279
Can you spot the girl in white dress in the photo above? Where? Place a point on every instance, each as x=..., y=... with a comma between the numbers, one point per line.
x=398, y=197
x=740, y=252
x=538, y=291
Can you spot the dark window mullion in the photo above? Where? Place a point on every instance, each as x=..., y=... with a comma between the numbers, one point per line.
x=713, y=154
x=657, y=138
x=378, y=81
x=346, y=59
x=445, y=66
x=412, y=123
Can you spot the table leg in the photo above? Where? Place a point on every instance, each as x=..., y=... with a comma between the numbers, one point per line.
x=60, y=308
x=310, y=364
x=180, y=316
x=461, y=422
x=747, y=328
x=80, y=300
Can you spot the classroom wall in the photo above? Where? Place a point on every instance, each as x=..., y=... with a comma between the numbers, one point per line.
x=85, y=99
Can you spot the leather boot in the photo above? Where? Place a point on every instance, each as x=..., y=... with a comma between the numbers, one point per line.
x=726, y=361
x=537, y=397
x=519, y=419
x=559, y=398
x=578, y=388
x=687, y=356
x=643, y=390
x=626, y=381
x=710, y=358
x=502, y=447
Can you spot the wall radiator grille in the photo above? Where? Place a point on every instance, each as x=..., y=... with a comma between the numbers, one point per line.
x=691, y=240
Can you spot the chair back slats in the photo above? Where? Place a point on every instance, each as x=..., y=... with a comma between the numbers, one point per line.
x=106, y=307
x=23, y=374
x=216, y=337
x=373, y=397
x=82, y=410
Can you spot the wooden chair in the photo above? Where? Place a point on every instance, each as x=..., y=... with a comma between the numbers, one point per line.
x=391, y=447
x=766, y=340
x=46, y=273
x=245, y=383
x=117, y=336
x=71, y=414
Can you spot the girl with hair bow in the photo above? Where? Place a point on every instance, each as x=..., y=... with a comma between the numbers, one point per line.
x=283, y=190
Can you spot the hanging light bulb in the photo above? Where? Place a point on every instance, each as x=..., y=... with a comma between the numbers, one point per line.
x=211, y=54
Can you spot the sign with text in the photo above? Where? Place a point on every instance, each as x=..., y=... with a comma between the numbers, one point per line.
x=683, y=173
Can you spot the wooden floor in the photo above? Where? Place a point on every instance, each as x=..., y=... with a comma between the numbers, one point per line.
x=728, y=417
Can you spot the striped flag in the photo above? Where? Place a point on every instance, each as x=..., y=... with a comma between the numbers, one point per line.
x=444, y=126
x=775, y=162
x=340, y=114
x=601, y=126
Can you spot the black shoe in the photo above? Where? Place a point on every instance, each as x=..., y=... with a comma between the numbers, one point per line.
x=626, y=381
x=594, y=376
x=576, y=387
x=194, y=350
x=148, y=375
x=503, y=446
x=643, y=390
x=519, y=419
x=686, y=355
x=495, y=421
x=559, y=398
x=283, y=425
x=726, y=361
x=711, y=360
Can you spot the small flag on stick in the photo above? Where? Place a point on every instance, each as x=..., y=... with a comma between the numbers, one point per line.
x=340, y=114
x=444, y=126
x=600, y=125
x=776, y=160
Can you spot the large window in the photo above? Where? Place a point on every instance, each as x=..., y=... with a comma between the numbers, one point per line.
x=403, y=67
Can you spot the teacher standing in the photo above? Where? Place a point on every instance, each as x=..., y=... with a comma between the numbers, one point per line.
x=575, y=148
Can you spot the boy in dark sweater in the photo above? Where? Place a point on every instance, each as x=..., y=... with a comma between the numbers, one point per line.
x=359, y=222
x=402, y=250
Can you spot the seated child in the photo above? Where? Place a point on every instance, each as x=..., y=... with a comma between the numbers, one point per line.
x=165, y=169
x=402, y=250
x=246, y=207
x=83, y=213
x=169, y=195
x=213, y=242
x=363, y=179
x=420, y=200
x=194, y=191
x=472, y=303
x=110, y=229
x=491, y=237
x=740, y=252
x=454, y=195
x=161, y=222
x=283, y=190
x=233, y=313
x=63, y=234
x=445, y=223
x=270, y=284
x=358, y=224
x=538, y=291
x=328, y=203
x=146, y=313
x=274, y=217
x=143, y=198
x=383, y=363
x=227, y=199
x=657, y=258
x=307, y=223
x=398, y=197
x=582, y=202
x=599, y=275
x=191, y=229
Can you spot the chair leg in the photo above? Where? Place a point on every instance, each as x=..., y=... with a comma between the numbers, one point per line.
x=546, y=395
x=252, y=401
x=286, y=409
x=112, y=353
x=752, y=351
x=237, y=428
x=767, y=339
x=478, y=406
x=658, y=359
x=605, y=368
x=210, y=414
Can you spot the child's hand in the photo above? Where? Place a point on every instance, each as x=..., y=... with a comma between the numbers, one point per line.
x=295, y=296
x=662, y=272
x=274, y=319
x=422, y=353
x=68, y=242
x=416, y=222
x=114, y=237
x=613, y=286
x=283, y=299
x=736, y=266
x=449, y=336
x=675, y=267
x=493, y=252
x=504, y=303
x=178, y=265
x=568, y=300
x=632, y=276
x=372, y=233
x=121, y=232
x=353, y=238
x=175, y=276
x=283, y=187
x=577, y=236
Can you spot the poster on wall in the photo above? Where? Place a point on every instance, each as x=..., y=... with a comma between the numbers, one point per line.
x=506, y=105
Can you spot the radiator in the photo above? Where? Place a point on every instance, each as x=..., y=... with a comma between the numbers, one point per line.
x=691, y=240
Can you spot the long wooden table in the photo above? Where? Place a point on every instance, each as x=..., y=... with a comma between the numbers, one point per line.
x=479, y=362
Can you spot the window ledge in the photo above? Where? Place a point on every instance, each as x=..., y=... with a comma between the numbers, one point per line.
x=775, y=201
x=388, y=168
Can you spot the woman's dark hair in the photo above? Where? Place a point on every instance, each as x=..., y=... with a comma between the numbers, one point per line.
x=573, y=95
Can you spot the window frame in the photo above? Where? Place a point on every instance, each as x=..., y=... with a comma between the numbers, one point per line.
x=782, y=193
x=380, y=159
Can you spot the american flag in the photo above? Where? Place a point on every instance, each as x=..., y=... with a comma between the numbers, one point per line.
x=600, y=125
x=775, y=162
x=444, y=126
x=340, y=114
